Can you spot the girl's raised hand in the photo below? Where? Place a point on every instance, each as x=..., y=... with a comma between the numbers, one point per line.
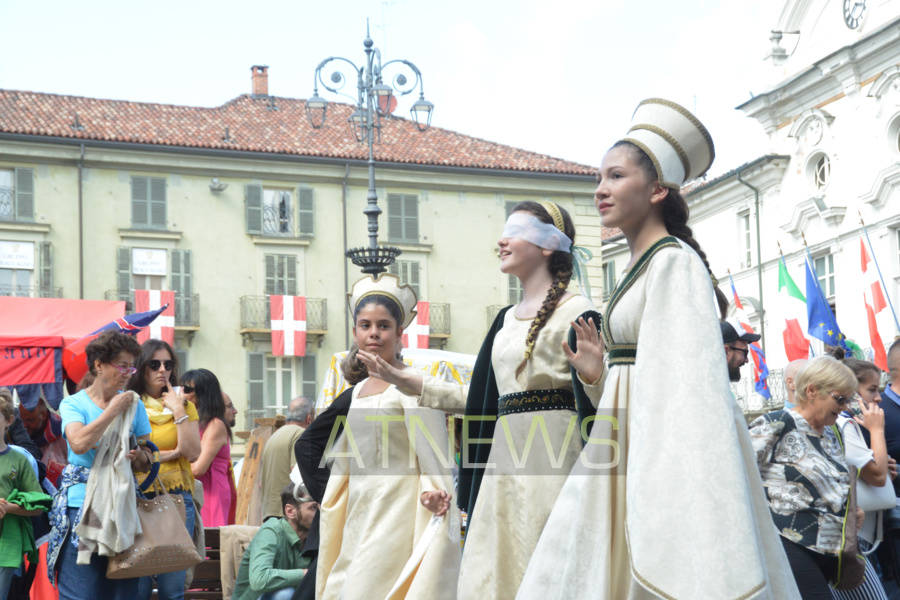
x=588, y=359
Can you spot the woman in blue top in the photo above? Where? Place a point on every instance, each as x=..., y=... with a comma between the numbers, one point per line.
x=85, y=417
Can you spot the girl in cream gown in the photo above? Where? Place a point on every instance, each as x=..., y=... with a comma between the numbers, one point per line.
x=378, y=541
x=682, y=514
x=536, y=436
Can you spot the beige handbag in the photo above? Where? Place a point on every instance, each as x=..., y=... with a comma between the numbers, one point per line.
x=164, y=544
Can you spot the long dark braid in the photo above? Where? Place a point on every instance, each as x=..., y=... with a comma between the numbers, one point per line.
x=560, y=267
x=675, y=218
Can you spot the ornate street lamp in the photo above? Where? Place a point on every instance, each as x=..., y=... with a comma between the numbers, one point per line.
x=373, y=101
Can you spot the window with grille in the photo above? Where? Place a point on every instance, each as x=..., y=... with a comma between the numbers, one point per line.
x=17, y=194
x=148, y=202
x=746, y=238
x=403, y=218
x=278, y=212
x=26, y=269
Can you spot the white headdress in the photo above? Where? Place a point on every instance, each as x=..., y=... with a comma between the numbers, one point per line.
x=386, y=285
x=675, y=140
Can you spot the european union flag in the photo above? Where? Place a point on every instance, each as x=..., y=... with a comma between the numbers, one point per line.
x=822, y=323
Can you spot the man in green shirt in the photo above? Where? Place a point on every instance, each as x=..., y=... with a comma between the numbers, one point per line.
x=272, y=565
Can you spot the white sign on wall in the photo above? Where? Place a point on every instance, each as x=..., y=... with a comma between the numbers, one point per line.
x=17, y=255
x=148, y=261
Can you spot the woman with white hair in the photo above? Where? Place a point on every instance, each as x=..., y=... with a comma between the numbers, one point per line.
x=802, y=464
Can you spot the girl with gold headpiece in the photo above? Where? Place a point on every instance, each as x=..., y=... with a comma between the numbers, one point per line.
x=521, y=432
x=386, y=525
x=679, y=510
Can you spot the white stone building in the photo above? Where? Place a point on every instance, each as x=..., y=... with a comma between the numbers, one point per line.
x=832, y=116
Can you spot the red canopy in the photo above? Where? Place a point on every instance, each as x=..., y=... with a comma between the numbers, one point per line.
x=24, y=319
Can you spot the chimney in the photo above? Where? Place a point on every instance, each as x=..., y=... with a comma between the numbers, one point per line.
x=260, y=79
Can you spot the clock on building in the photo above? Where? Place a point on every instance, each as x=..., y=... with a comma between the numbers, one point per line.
x=853, y=12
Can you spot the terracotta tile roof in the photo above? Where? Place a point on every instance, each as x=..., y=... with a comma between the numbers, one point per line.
x=608, y=233
x=252, y=126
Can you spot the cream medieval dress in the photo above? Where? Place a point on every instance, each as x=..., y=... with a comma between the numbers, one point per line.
x=377, y=541
x=531, y=453
x=684, y=514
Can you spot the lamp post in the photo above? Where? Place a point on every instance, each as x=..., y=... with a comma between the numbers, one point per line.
x=373, y=101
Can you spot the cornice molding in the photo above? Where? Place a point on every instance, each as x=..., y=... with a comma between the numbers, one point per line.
x=806, y=211
x=886, y=180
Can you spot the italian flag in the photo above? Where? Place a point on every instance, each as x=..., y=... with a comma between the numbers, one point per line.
x=793, y=309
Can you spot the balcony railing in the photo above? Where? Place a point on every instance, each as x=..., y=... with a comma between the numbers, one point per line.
x=439, y=319
x=30, y=292
x=255, y=314
x=187, y=306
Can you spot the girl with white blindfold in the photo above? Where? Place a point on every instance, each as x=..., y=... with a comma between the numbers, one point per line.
x=522, y=388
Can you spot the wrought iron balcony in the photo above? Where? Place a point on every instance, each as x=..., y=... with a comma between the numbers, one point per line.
x=256, y=318
x=439, y=324
x=30, y=292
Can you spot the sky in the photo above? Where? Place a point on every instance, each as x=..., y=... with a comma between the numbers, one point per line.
x=560, y=78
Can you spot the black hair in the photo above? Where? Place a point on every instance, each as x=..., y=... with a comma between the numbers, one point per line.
x=138, y=382
x=208, y=394
x=107, y=346
x=353, y=369
x=675, y=215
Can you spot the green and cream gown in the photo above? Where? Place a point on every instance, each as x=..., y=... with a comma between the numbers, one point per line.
x=519, y=486
x=377, y=541
x=684, y=515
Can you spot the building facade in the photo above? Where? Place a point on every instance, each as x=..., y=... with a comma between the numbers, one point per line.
x=833, y=122
x=228, y=205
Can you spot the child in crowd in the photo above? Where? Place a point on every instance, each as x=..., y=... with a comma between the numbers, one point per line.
x=20, y=497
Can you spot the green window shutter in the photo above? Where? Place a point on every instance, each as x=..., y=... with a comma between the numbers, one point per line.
x=270, y=274
x=139, y=201
x=181, y=285
x=158, y=202
x=307, y=214
x=123, y=272
x=181, y=356
x=394, y=268
x=290, y=284
x=253, y=194
x=509, y=207
x=307, y=376
x=395, y=217
x=411, y=218
x=255, y=386
x=24, y=194
x=45, y=282
x=413, y=278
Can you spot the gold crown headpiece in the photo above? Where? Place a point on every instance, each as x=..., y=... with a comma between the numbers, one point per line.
x=385, y=285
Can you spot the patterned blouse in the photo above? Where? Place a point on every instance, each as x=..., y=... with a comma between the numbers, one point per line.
x=805, y=476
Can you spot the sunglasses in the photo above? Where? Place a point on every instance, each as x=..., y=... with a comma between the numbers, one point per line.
x=841, y=400
x=125, y=369
x=156, y=364
x=746, y=351
x=188, y=389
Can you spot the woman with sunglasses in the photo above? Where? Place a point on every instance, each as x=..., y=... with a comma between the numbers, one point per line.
x=802, y=464
x=213, y=467
x=174, y=430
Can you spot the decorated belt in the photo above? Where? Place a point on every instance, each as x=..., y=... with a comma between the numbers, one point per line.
x=621, y=354
x=534, y=400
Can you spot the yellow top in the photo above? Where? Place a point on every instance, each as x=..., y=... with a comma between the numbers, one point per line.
x=175, y=475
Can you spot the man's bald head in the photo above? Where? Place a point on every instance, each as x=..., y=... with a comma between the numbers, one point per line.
x=300, y=411
x=791, y=371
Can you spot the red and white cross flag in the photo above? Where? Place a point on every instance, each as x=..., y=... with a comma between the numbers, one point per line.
x=416, y=335
x=873, y=297
x=288, y=315
x=163, y=327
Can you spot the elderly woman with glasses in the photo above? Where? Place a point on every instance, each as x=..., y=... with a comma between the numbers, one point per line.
x=801, y=460
x=175, y=431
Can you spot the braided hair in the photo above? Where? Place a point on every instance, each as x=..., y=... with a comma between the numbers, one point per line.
x=560, y=267
x=675, y=218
